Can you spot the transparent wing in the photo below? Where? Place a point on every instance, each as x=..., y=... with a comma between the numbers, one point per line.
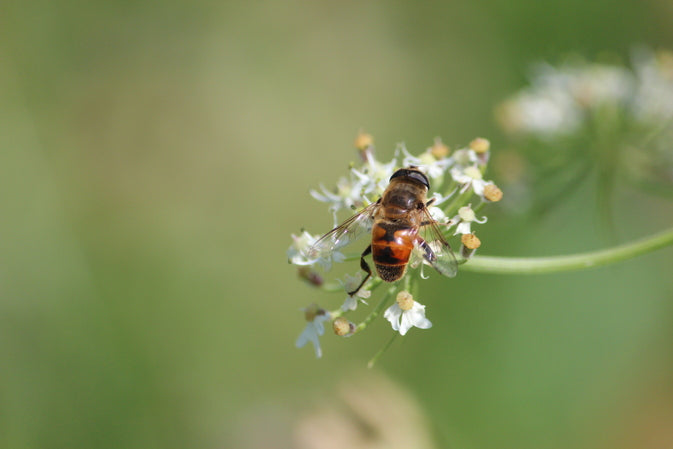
x=435, y=249
x=347, y=232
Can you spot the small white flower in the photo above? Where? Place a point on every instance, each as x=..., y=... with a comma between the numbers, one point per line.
x=374, y=176
x=334, y=256
x=436, y=212
x=406, y=313
x=350, y=283
x=464, y=157
x=598, y=84
x=558, y=99
x=348, y=194
x=465, y=218
x=297, y=252
x=547, y=108
x=430, y=165
x=315, y=318
x=469, y=176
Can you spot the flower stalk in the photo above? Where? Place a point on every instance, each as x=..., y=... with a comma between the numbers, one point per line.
x=377, y=310
x=539, y=265
x=381, y=351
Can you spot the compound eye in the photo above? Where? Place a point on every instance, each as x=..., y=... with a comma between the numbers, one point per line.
x=420, y=177
x=414, y=174
x=398, y=173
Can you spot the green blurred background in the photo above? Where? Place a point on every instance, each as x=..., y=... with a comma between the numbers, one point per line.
x=156, y=156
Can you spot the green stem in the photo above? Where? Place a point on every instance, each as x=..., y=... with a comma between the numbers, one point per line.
x=379, y=307
x=535, y=265
x=378, y=355
x=460, y=200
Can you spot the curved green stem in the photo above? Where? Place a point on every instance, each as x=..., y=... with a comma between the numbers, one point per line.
x=378, y=355
x=535, y=265
x=377, y=310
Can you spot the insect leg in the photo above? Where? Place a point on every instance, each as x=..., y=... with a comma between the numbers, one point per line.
x=428, y=204
x=438, y=223
x=365, y=266
x=428, y=254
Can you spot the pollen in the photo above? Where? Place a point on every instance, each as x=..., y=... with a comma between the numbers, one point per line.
x=405, y=300
x=439, y=150
x=470, y=241
x=492, y=193
x=342, y=327
x=480, y=145
x=363, y=141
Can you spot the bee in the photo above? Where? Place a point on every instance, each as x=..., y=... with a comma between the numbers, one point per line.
x=396, y=221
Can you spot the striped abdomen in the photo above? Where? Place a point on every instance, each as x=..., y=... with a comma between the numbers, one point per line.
x=391, y=248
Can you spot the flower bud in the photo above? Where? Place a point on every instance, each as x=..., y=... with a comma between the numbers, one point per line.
x=439, y=150
x=405, y=300
x=470, y=241
x=363, y=141
x=309, y=275
x=342, y=327
x=492, y=192
x=313, y=311
x=480, y=145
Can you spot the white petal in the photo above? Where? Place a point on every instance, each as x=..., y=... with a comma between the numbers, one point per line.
x=338, y=256
x=463, y=228
x=318, y=349
x=420, y=321
x=311, y=333
x=393, y=314
x=318, y=324
x=406, y=323
x=417, y=316
x=459, y=176
x=478, y=186
x=305, y=336
x=437, y=213
x=349, y=304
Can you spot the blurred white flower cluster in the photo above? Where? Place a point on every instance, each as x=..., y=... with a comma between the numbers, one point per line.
x=560, y=100
x=582, y=118
x=457, y=190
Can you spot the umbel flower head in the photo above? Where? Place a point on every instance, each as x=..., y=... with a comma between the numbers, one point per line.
x=400, y=209
x=581, y=119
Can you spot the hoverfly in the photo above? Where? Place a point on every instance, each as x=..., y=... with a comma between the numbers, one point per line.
x=396, y=222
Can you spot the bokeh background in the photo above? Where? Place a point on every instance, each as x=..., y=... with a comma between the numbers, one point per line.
x=156, y=156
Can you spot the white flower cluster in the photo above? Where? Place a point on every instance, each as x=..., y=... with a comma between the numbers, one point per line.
x=457, y=177
x=559, y=100
x=363, y=183
x=366, y=183
x=580, y=110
